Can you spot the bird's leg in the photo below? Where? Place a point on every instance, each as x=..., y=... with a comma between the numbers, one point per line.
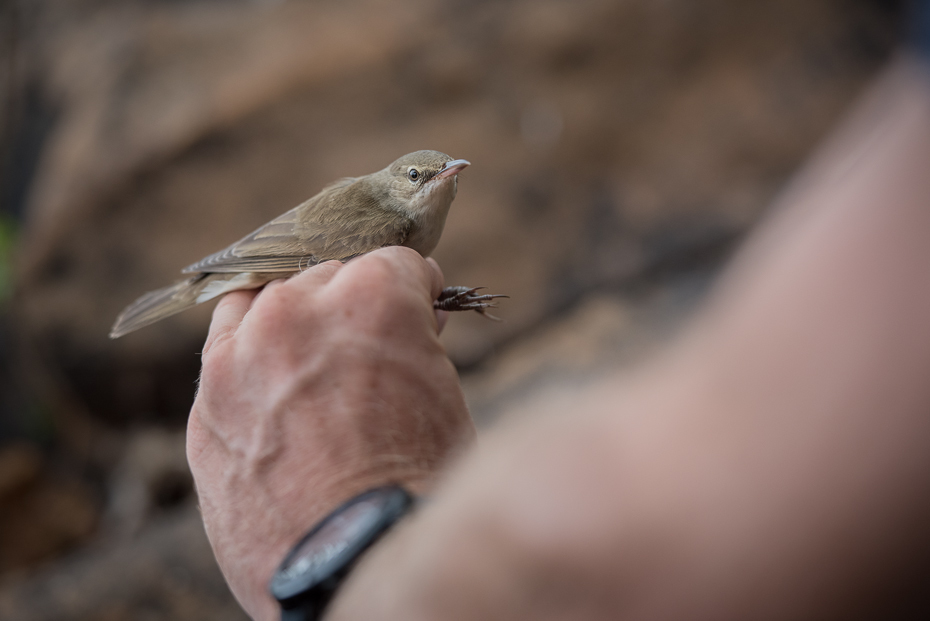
x=467, y=298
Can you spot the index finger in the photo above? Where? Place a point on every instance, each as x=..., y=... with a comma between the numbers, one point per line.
x=394, y=265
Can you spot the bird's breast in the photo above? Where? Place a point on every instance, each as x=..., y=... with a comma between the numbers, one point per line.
x=428, y=212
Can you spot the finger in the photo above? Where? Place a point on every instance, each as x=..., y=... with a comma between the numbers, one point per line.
x=438, y=281
x=267, y=287
x=441, y=318
x=227, y=316
x=399, y=265
x=317, y=275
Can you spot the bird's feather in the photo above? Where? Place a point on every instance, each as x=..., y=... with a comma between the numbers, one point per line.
x=313, y=232
x=156, y=305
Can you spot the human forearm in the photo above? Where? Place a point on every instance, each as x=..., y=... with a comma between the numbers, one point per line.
x=765, y=467
x=816, y=381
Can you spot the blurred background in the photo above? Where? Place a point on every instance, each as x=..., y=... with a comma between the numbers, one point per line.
x=620, y=148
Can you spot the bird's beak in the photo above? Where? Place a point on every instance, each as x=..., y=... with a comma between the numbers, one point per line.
x=452, y=168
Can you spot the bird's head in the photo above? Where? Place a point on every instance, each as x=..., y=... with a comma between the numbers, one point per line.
x=423, y=182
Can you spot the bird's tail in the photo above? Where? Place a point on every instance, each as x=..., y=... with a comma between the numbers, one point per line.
x=158, y=304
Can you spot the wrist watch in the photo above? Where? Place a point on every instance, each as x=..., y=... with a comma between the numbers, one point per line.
x=312, y=571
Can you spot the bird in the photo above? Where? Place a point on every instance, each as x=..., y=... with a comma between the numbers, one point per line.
x=404, y=204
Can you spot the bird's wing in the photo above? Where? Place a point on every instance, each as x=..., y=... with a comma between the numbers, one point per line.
x=312, y=232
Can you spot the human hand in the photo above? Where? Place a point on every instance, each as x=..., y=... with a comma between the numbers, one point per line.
x=313, y=390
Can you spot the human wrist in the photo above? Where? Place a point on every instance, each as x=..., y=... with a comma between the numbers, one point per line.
x=319, y=562
x=254, y=578
x=492, y=537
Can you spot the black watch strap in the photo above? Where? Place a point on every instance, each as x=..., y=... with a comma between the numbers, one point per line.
x=317, y=565
x=300, y=614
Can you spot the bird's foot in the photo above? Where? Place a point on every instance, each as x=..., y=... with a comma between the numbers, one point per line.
x=467, y=298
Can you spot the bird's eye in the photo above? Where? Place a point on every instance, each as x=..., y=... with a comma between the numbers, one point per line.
x=414, y=174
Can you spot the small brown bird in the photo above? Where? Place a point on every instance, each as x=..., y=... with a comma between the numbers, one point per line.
x=404, y=204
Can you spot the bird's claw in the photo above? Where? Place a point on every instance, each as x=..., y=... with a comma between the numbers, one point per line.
x=467, y=298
